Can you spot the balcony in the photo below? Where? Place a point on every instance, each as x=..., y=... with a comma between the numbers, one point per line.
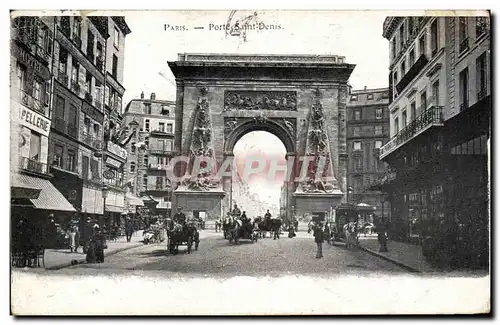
x=464, y=45
x=412, y=73
x=98, y=104
x=433, y=116
x=76, y=40
x=32, y=165
x=75, y=87
x=33, y=103
x=99, y=63
x=88, y=97
x=152, y=166
x=91, y=56
x=91, y=140
x=43, y=54
x=62, y=77
x=161, y=152
x=27, y=36
x=162, y=132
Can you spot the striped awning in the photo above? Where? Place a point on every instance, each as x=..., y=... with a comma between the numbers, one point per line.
x=49, y=198
x=133, y=200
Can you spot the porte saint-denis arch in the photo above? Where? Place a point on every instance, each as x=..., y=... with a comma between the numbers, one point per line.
x=299, y=98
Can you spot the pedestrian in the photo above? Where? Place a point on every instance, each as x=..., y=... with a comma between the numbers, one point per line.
x=318, y=238
x=88, y=233
x=74, y=237
x=129, y=229
x=100, y=244
x=328, y=234
x=382, y=237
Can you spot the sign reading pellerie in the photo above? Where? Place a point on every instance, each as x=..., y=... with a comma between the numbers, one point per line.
x=34, y=121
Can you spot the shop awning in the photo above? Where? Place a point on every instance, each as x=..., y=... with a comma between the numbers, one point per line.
x=133, y=200
x=49, y=198
x=114, y=208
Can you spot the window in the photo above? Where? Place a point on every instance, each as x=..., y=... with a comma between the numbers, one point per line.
x=421, y=44
x=88, y=84
x=481, y=26
x=395, y=78
x=147, y=108
x=378, y=130
x=378, y=144
x=85, y=167
x=370, y=97
x=132, y=147
x=72, y=117
x=354, y=98
x=378, y=113
x=423, y=101
x=168, y=145
x=71, y=160
x=358, y=163
x=145, y=160
x=132, y=167
x=356, y=131
x=58, y=156
x=396, y=125
x=357, y=145
x=74, y=72
x=464, y=89
x=413, y=110
x=401, y=37
x=118, y=103
x=410, y=25
x=94, y=169
x=170, y=128
x=115, y=66
x=60, y=103
x=357, y=115
x=145, y=180
x=35, y=146
x=97, y=128
x=107, y=96
x=90, y=45
x=99, y=50
x=161, y=127
x=435, y=93
x=146, y=125
x=37, y=89
x=411, y=59
x=65, y=24
x=116, y=38
x=77, y=27
x=393, y=48
x=434, y=37
x=405, y=118
x=98, y=94
x=481, y=76
x=21, y=74
x=403, y=67
x=159, y=182
x=462, y=32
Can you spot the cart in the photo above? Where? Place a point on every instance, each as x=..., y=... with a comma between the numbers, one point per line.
x=343, y=213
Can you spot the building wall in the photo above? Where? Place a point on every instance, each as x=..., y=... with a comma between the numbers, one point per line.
x=366, y=110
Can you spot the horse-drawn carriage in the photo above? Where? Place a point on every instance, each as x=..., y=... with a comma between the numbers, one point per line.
x=236, y=229
x=265, y=225
x=153, y=235
x=345, y=227
x=182, y=234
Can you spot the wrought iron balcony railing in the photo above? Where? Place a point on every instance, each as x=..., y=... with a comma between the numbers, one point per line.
x=481, y=93
x=75, y=87
x=98, y=104
x=433, y=116
x=88, y=97
x=464, y=45
x=159, y=151
x=43, y=54
x=412, y=73
x=99, y=63
x=33, y=165
x=90, y=56
x=32, y=102
x=91, y=140
x=77, y=40
x=62, y=77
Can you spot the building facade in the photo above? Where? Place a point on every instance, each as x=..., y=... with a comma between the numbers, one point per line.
x=367, y=132
x=33, y=197
x=150, y=124
x=439, y=89
x=78, y=113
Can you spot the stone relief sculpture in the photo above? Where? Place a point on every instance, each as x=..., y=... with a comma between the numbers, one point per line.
x=260, y=100
x=201, y=146
x=317, y=146
x=289, y=125
x=230, y=126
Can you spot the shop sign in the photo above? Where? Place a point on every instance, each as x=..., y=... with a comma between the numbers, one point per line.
x=34, y=121
x=29, y=60
x=117, y=150
x=113, y=162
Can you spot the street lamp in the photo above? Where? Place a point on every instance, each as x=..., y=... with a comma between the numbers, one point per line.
x=105, y=190
x=349, y=192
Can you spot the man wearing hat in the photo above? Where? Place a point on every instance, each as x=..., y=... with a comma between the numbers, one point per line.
x=318, y=238
x=179, y=216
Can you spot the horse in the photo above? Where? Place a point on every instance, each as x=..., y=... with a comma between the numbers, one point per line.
x=351, y=236
x=179, y=234
x=226, y=225
x=276, y=228
x=233, y=231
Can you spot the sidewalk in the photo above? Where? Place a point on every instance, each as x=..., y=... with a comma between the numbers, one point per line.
x=406, y=255
x=60, y=258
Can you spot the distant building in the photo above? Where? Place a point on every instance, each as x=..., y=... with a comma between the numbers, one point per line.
x=367, y=132
x=151, y=123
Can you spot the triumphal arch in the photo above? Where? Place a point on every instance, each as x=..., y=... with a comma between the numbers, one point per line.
x=299, y=98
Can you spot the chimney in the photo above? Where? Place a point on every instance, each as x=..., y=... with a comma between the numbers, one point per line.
x=365, y=88
x=142, y=95
x=153, y=96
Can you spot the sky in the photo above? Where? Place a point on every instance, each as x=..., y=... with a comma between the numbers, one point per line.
x=353, y=34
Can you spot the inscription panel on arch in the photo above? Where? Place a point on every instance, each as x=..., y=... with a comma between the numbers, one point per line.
x=260, y=100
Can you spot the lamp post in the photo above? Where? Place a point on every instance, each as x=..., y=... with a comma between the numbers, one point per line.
x=349, y=193
x=105, y=190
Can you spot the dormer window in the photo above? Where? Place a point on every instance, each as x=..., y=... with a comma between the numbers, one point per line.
x=354, y=98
